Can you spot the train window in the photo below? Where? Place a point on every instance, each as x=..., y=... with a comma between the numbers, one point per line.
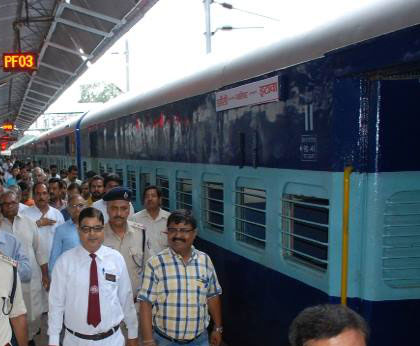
x=145, y=181
x=183, y=193
x=84, y=169
x=250, y=216
x=101, y=169
x=131, y=183
x=212, y=205
x=93, y=139
x=163, y=183
x=67, y=145
x=120, y=172
x=109, y=169
x=305, y=229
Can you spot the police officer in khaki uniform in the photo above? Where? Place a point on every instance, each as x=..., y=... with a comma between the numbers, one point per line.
x=127, y=237
x=12, y=307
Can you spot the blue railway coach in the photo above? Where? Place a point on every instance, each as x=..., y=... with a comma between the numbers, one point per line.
x=262, y=149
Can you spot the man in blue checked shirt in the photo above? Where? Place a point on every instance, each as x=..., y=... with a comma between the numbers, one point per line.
x=179, y=289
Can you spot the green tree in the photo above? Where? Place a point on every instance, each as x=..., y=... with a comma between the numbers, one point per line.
x=98, y=92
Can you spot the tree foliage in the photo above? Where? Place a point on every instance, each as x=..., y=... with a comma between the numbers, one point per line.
x=98, y=92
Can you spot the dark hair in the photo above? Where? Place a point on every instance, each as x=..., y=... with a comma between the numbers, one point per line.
x=58, y=181
x=90, y=174
x=63, y=171
x=112, y=177
x=72, y=168
x=152, y=187
x=91, y=212
x=182, y=215
x=73, y=186
x=324, y=322
x=36, y=185
x=95, y=177
x=23, y=186
x=53, y=166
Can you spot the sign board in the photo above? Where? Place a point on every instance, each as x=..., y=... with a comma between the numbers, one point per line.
x=309, y=148
x=8, y=127
x=262, y=91
x=16, y=62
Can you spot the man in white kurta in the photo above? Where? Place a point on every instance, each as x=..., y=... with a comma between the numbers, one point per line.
x=26, y=231
x=154, y=219
x=47, y=218
x=91, y=291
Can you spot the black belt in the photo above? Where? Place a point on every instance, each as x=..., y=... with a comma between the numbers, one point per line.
x=99, y=336
x=177, y=341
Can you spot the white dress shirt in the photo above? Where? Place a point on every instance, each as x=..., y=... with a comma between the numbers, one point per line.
x=155, y=229
x=46, y=232
x=69, y=294
x=27, y=232
x=101, y=205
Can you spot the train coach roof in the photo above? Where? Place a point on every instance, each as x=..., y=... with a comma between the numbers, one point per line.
x=60, y=130
x=362, y=24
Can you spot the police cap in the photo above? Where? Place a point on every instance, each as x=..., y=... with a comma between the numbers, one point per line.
x=118, y=193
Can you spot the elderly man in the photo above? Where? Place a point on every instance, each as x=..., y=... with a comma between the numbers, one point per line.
x=179, y=287
x=47, y=218
x=91, y=291
x=127, y=237
x=328, y=325
x=66, y=236
x=154, y=218
x=112, y=180
x=10, y=246
x=13, y=311
x=26, y=231
x=96, y=188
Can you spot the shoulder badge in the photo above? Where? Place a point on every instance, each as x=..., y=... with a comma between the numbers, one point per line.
x=8, y=259
x=137, y=226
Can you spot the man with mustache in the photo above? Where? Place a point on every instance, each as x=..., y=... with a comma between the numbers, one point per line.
x=96, y=188
x=91, y=291
x=127, y=237
x=55, y=186
x=179, y=289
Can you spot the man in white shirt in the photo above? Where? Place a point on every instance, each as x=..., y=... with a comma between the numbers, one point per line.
x=72, y=176
x=91, y=291
x=154, y=218
x=26, y=231
x=47, y=218
x=112, y=180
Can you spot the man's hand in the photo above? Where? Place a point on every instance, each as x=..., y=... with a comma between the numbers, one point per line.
x=215, y=338
x=133, y=342
x=45, y=282
x=44, y=221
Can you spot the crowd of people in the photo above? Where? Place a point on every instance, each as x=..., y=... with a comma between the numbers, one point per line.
x=103, y=273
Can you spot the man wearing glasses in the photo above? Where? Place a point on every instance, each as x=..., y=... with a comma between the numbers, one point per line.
x=91, y=291
x=66, y=236
x=127, y=237
x=179, y=289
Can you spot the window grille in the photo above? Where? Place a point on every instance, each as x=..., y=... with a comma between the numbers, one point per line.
x=250, y=216
x=212, y=206
x=120, y=173
x=109, y=169
x=163, y=183
x=304, y=230
x=145, y=181
x=132, y=184
x=101, y=169
x=183, y=193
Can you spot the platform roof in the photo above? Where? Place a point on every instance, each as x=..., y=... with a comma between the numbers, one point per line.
x=66, y=34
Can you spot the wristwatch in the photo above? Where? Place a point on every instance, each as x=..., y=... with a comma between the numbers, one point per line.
x=218, y=329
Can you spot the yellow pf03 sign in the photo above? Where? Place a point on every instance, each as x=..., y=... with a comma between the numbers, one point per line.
x=19, y=62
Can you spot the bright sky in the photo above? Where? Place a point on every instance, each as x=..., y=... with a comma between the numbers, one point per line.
x=169, y=41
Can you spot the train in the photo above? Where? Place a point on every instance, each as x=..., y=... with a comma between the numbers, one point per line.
x=299, y=161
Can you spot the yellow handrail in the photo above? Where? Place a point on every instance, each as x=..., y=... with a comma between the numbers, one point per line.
x=345, y=240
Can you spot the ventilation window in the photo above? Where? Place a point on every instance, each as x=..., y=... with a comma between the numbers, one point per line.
x=183, y=193
x=163, y=183
x=401, y=240
x=101, y=169
x=305, y=229
x=145, y=181
x=212, y=206
x=131, y=183
x=250, y=216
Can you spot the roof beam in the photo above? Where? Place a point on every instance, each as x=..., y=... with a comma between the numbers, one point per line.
x=47, y=81
x=39, y=93
x=94, y=14
x=36, y=100
x=57, y=69
x=84, y=27
x=30, y=105
x=45, y=84
x=69, y=50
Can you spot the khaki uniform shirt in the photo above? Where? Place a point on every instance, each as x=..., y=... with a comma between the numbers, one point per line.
x=155, y=229
x=131, y=248
x=18, y=308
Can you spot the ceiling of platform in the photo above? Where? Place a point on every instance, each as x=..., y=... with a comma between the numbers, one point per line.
x=66, y=34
